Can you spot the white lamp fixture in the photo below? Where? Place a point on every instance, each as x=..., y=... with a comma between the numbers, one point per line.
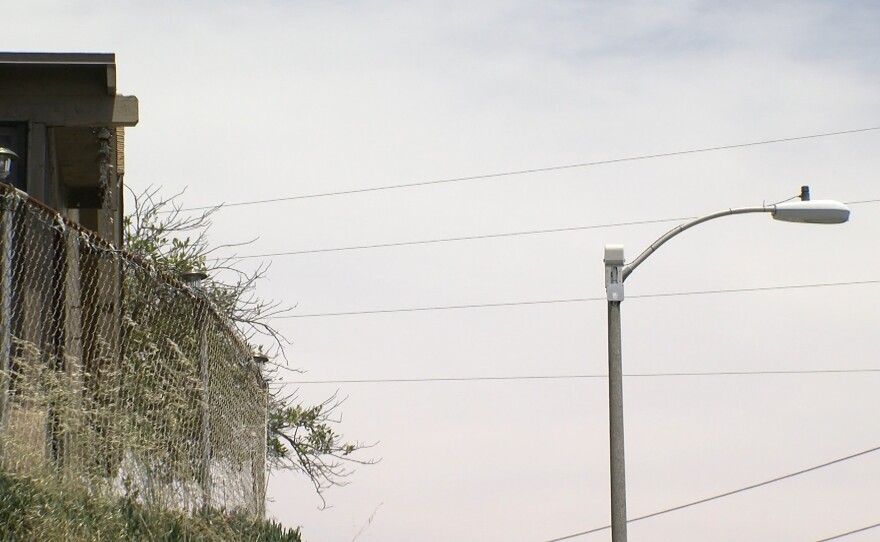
x=811, y=212
x=6, y=158
x=824, y=211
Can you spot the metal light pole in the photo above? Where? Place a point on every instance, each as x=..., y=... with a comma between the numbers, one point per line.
x=614, y=266
x=617, y=271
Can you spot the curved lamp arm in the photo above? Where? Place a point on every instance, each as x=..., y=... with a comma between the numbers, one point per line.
x=629, y=268
x=805, y=211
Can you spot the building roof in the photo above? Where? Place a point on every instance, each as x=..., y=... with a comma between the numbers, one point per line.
x=103, y=62
x=63, y=89
x=57, y=58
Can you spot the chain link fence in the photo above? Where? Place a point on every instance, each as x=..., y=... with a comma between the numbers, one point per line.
x=118, y=378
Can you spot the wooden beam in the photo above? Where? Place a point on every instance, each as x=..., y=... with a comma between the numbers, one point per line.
x=107, y=111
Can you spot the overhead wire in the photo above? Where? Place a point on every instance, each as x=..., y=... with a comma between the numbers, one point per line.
x=441, y=308
x=528, y=171
x=856, y=531
x=579, y=299
x=462, y=238
x=727, y=494
x=571, y=376
x=479, y=237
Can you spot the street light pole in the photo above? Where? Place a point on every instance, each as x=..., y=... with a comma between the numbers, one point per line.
x=614, y=265
x=615, y=424
x=617, y=271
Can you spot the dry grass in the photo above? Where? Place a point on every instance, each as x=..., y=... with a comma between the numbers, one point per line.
x=35, y=510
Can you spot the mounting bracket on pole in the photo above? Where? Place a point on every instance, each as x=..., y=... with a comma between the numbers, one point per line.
x=614, y=264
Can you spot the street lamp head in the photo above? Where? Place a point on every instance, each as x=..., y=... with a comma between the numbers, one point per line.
x=6, y=158
x=812, y=212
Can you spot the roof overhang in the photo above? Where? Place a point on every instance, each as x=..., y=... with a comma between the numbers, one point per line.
x=64, y=89
x=103, y=61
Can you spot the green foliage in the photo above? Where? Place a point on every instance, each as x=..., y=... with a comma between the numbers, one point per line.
x=31, y=510
x=146, y=236
x=302, y=438
x=299, y=437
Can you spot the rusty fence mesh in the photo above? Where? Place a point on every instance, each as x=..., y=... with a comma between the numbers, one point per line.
x=120, y=379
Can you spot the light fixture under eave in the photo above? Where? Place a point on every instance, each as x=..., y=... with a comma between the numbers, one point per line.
x=812, y=212
x=6, y=158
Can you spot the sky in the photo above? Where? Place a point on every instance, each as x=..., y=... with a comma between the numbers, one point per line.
x=271, y=99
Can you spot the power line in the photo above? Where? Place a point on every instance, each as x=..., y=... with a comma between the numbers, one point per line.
x=464, y=238
x=443, y=308
x=578, y=300
x=727, y=494
x=863, y=529
x=530, y=171
x=759, y=289
x=570, y=376
x=479, y=237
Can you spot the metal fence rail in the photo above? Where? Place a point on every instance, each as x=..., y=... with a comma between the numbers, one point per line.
x=120, y=378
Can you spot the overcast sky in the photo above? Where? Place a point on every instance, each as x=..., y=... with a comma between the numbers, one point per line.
x=243, y=101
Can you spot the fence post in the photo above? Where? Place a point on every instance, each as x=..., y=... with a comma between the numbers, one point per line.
x=5, y=310
x=258, y=455
x=193, y=280
x=72, y=349
x=54, y=339
x=206, y=406
x=261, y=448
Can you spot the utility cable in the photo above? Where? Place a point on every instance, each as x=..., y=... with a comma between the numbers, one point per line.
x=478, y=237
x=728, y=494
x=863, y=529
x=529, y=171
x=578, y=300
x=464, y=238
x=443, y=308
x=569, y=377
